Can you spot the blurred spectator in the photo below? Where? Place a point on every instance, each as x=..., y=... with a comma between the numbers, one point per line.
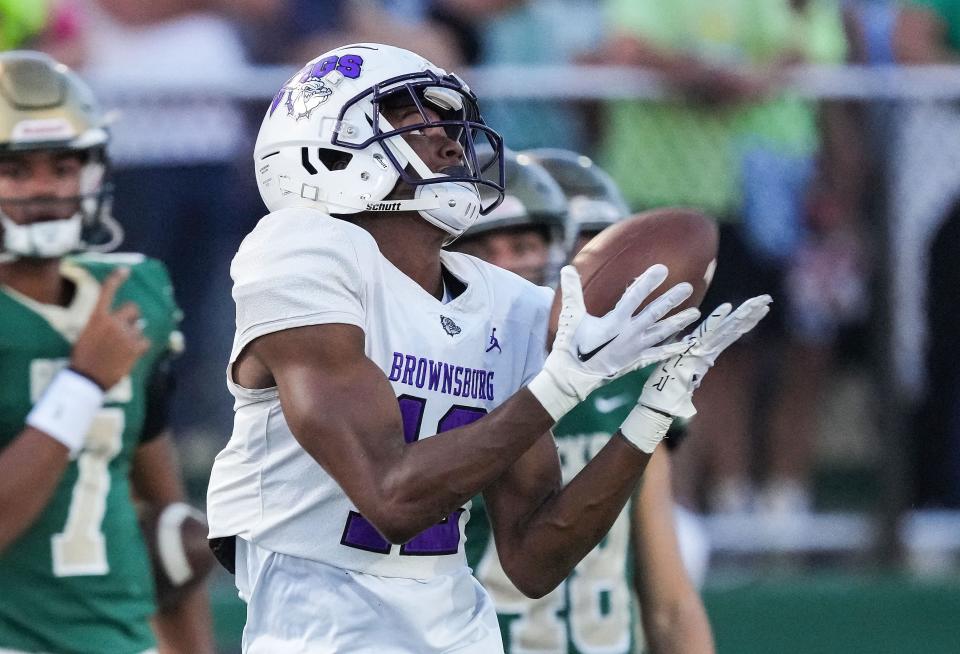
x=870, y=27
x=535, y=33
x=20, y=21
x=301, y=29
x=61, y=32
x=928, y=32
x=48, y=25
x=734, y=145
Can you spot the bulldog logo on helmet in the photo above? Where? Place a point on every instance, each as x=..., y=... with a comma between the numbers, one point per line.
x=305, y=98
x=307, y=90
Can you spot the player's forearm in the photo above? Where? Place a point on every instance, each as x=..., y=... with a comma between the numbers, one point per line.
x=185, y=626
x=30, y=469
x=674, y=618
x=563, y=530
x=679, y=627
x=438, y=475
x=347, y=418
x=55, y=430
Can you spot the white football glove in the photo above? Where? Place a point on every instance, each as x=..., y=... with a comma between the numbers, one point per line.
x=590, y=351
x=668, y=392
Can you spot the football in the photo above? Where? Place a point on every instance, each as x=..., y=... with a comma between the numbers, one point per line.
x=176, y=537
x=684, y=240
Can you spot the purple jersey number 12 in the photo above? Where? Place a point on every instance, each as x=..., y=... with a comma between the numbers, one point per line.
x=441, y=538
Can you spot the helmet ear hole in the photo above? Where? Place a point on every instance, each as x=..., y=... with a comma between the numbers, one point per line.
x=334, y=159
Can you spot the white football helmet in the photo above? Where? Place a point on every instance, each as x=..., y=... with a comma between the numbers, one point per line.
x=595, y=201
x=45, y=106
x=532, y=198
x=324, y=142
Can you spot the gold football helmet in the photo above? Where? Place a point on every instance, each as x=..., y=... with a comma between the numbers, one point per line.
x=46, y=106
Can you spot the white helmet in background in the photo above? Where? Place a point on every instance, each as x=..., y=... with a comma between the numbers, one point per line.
x=532, y=198
x=324, y=142
x=595, y=202
x=532, y=201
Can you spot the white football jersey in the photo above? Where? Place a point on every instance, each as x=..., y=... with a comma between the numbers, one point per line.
x=449, y=364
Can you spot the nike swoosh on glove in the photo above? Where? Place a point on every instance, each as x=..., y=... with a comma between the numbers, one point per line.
x=590, y=350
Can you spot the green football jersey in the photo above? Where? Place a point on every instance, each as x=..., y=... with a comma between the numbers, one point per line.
x=592, y=611
x=78, y=579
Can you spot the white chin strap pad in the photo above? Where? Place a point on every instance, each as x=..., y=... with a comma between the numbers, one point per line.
x=47, y=239
x=458, y=206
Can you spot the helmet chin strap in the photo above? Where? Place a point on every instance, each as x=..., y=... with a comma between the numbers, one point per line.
x=48, y=239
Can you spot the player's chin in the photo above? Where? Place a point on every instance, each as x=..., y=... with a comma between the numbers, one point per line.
x=176, y=537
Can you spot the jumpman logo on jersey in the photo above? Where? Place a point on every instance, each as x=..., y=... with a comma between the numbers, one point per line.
x=494, y=343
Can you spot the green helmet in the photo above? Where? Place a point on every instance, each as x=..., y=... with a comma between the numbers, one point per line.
x=44, y=106
x=595, y=201
x=531, y=199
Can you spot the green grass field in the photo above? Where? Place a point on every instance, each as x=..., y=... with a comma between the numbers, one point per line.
x=812, y=614
x=832, y=614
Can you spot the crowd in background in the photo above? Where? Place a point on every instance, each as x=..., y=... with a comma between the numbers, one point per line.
x=804, y=192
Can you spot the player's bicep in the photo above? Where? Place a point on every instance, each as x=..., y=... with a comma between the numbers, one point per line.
x=338, y=404
x=517, y=494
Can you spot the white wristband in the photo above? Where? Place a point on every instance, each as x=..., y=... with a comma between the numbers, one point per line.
x=171, y=550
x=645, y=428
x=66, y=409
x=545, y=388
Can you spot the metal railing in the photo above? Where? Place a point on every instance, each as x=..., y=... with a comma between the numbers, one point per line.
x=938, y=82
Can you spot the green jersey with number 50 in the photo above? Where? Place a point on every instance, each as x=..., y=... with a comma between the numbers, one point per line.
x=592, y=611
x=78, y=579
